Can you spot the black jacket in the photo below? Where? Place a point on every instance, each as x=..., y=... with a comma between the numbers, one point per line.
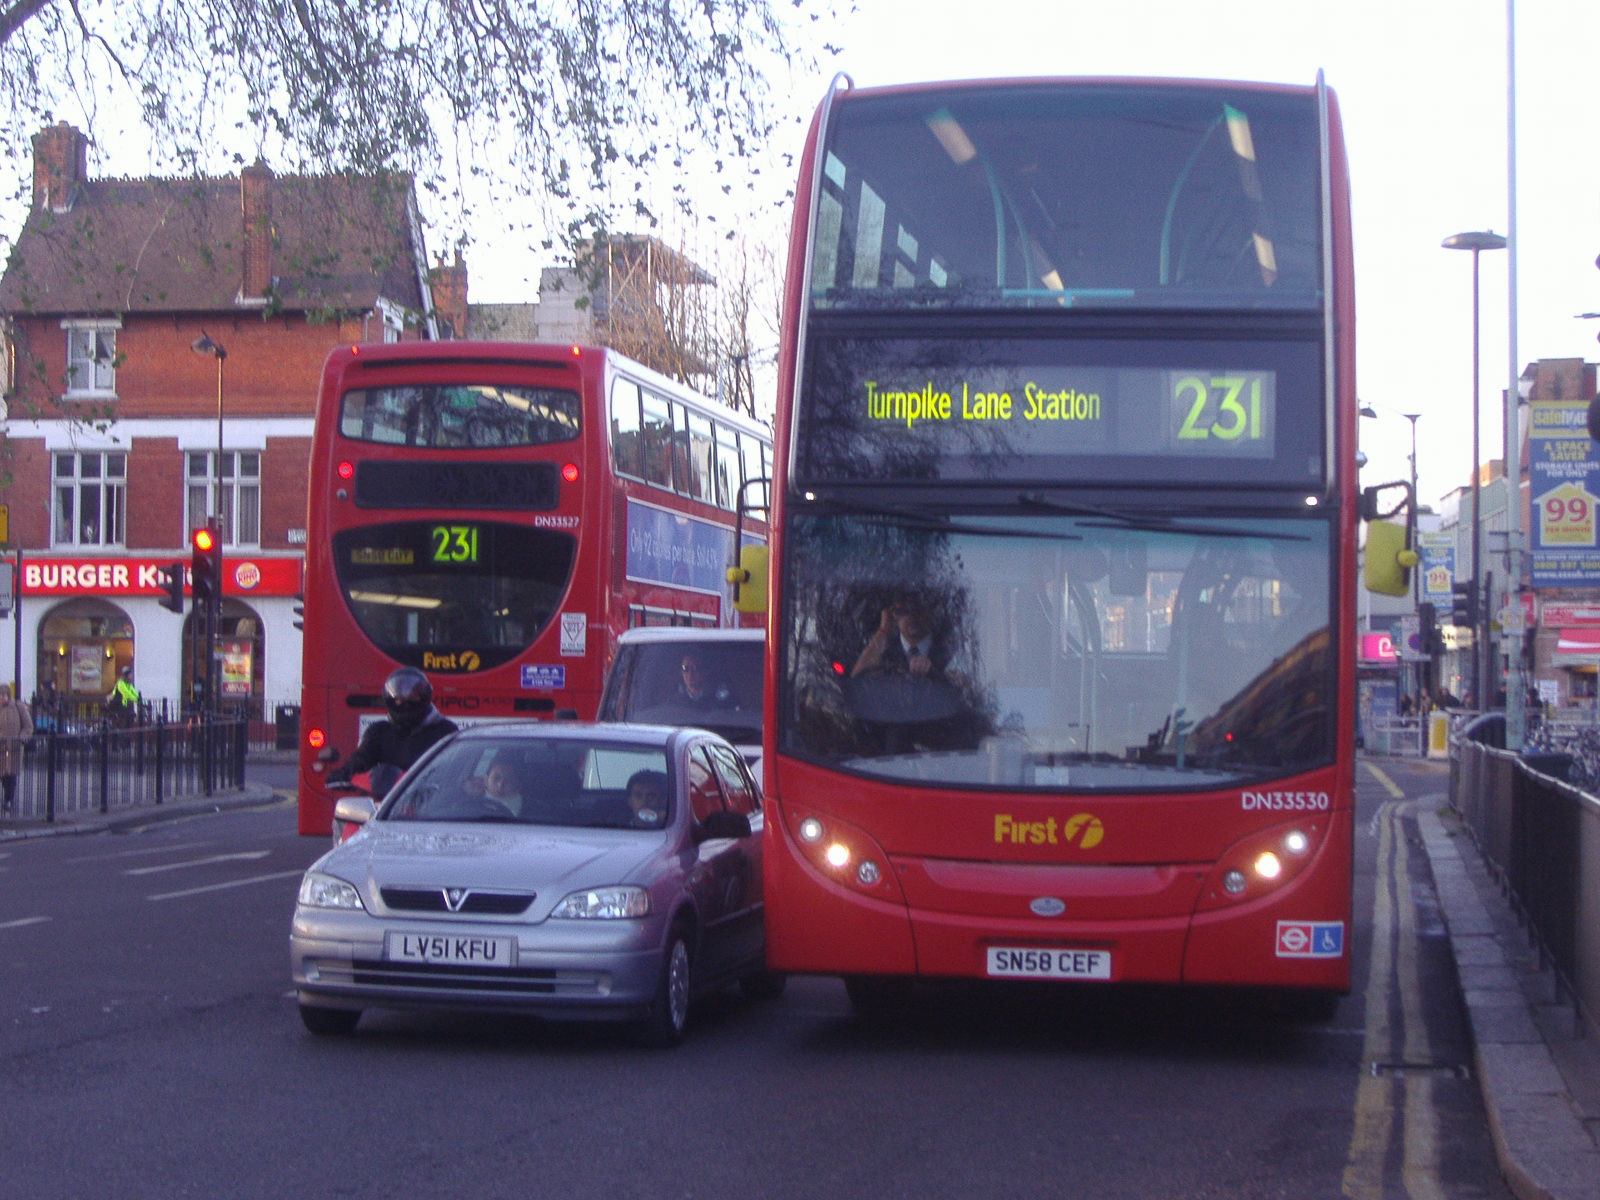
x=383, y=742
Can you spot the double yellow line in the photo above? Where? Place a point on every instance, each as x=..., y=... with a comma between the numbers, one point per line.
x=1399, y=1103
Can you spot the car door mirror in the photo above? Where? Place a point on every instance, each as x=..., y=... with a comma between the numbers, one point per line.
x=722, y=825
x=354, y=810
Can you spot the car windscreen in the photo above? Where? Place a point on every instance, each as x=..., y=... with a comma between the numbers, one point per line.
x=712, y=684
x=567, y=782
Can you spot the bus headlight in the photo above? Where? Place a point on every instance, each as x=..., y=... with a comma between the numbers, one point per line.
x=1262, y=862
x=842, y=852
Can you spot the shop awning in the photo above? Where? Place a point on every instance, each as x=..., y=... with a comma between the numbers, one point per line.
x=1578, y=646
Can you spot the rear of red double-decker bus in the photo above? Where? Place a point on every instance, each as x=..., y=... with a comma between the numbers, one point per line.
x=496, y=514
x=1059, y=680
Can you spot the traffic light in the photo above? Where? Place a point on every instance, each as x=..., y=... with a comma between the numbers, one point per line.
x=1428, y=629
x=1464, y=605
x=205, y=566
x=172, y=587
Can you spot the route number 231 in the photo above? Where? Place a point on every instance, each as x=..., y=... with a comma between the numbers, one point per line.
x=1222, y=407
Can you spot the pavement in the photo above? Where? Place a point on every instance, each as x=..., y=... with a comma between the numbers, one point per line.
x=131, y=817
x=1538, y=1068
x=1537, y=1065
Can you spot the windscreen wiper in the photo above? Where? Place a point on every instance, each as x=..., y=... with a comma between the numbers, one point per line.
x=940, y=523
x=1111, y=518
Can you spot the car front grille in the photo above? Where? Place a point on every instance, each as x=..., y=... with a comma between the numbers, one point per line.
x=415, y=982
x=519, y=980
x=435, y=900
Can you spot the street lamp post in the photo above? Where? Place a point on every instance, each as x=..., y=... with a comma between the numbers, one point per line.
x=1476, y=241
x=204, y=345
x=1420, y=677
x=213, y=618
x=1416, y=572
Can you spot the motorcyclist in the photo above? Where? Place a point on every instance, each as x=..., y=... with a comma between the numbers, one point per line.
x=414, y=724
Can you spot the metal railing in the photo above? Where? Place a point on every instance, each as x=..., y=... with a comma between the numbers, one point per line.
x=1407, y=736
x=1540, y=835
x=101, y=768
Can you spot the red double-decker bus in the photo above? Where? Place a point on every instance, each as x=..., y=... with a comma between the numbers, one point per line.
x=496, y=514
x=1061, y=684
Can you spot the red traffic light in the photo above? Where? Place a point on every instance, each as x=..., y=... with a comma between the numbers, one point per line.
x=205, y=566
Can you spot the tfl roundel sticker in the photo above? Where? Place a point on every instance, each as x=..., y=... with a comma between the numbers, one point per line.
x=1310, y=939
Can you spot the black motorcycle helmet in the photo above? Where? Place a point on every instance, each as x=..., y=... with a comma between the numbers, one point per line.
x=408, y=696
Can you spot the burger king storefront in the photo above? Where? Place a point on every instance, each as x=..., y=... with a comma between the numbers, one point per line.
x=77, y=623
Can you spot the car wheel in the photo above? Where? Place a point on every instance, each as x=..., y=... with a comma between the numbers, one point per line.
x=763, y=985
x=879, y=999
x=668, y=1017
x=329, y=1022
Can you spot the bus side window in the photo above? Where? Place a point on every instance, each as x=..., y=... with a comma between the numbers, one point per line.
x=682, y=477
x=626, y=442
x=657, y=440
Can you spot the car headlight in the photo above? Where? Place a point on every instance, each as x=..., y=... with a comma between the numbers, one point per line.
x=324, y=891
x=606, y=904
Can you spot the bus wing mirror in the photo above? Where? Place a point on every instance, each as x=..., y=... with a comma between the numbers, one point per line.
x=1390, y=559
x=1593, y=419
x=1390, y=550
x=749, y=579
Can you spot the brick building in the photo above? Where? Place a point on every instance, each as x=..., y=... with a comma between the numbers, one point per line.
x=125, y=427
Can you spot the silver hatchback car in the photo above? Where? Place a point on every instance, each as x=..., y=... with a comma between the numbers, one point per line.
x=589, y=871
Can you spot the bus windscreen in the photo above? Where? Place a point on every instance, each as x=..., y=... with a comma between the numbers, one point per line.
x=1049, y=651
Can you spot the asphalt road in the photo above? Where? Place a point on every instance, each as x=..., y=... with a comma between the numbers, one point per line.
x=150, y=1048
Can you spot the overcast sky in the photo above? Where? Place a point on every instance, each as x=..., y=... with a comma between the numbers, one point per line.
x=1422, y=85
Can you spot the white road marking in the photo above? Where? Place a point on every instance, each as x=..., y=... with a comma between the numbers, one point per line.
x=221, y=887
x=242, y=856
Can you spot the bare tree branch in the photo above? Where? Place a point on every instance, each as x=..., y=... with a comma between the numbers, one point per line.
x=550, y=98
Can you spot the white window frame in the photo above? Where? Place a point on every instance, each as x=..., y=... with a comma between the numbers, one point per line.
x=111, y=498
x=241, y=494
x=99, y=337
x=394, y=320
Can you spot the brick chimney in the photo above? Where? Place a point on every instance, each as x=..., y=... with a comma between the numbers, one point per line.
x=255, y=203
x=450, y=295
x=60, y=164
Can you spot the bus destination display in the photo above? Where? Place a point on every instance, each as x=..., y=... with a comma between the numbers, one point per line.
x=1201, y=411
x=447, y=545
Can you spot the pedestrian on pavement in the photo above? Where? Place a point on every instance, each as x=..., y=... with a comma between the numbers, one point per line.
x=16, y=727
x=123, y=702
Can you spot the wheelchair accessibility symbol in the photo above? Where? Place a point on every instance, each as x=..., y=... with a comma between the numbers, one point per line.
x=1310, y=939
